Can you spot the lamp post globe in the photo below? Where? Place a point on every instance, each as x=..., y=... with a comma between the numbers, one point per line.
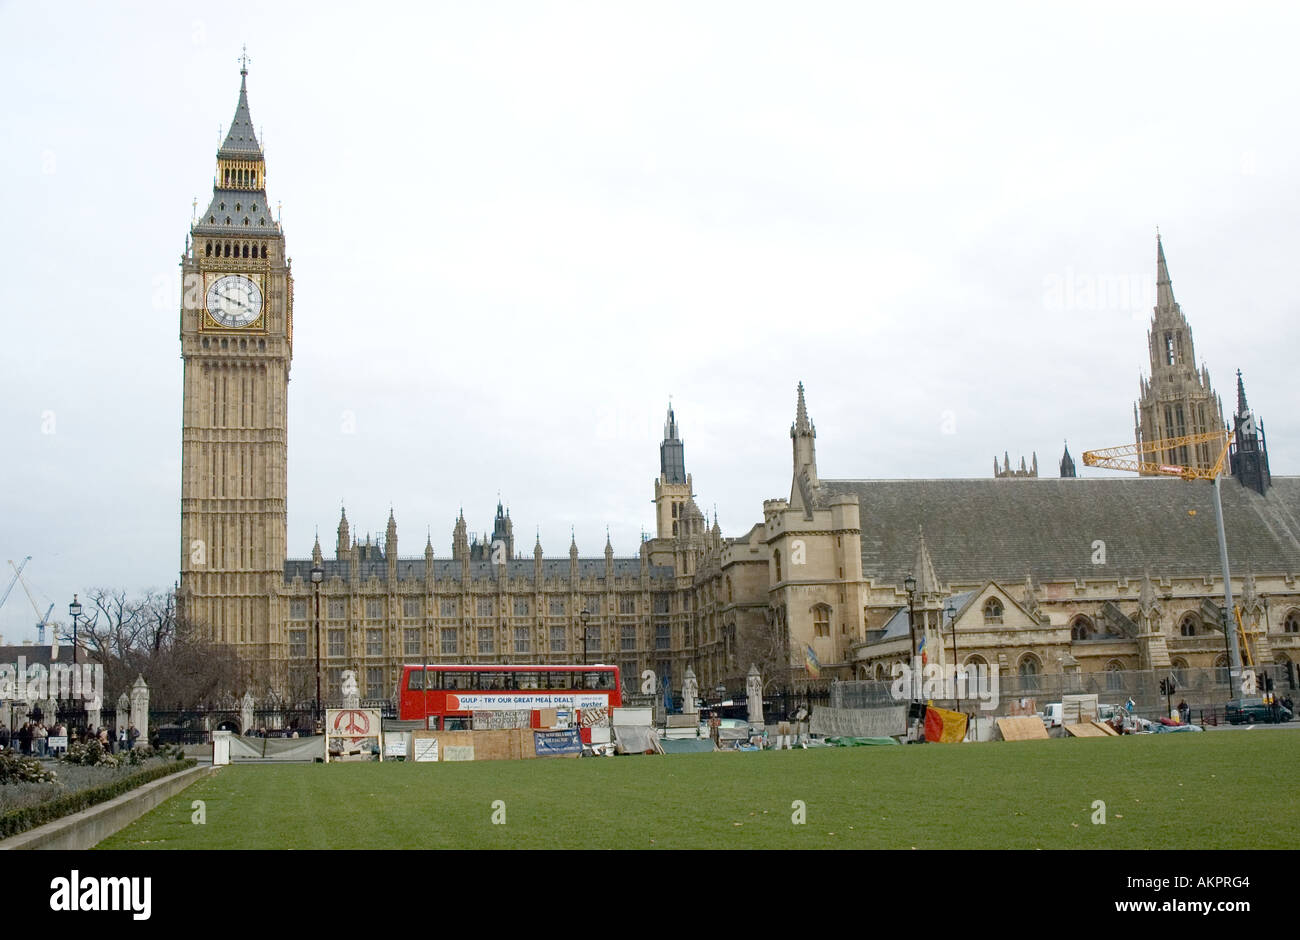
x=74, y=611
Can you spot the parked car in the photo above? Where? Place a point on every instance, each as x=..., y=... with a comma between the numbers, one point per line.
x=1254, y=711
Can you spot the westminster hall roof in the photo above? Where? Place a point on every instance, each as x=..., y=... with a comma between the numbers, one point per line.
x=1003, y=530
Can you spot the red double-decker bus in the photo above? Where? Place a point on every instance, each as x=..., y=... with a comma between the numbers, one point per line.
x=445, y=697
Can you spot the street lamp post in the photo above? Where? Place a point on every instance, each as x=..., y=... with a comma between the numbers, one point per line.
x=951, y=611
x=584, y=616
x=74, y=611
x=317, y=575
x=909, y=585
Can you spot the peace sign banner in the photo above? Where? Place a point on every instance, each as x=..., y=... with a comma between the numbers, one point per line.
x=353, y=734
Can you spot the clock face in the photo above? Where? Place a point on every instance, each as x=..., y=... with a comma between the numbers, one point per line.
x=234, y=300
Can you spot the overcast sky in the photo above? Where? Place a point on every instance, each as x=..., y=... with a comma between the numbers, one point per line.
x=517, y=229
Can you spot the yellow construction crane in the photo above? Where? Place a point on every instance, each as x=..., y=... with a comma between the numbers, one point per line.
x=1136, y=458
x=1129, y=456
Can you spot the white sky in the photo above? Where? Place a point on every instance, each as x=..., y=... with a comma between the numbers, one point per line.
x=518, y=228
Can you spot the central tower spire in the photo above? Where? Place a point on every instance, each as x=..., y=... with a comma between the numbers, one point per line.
x=1177, y=400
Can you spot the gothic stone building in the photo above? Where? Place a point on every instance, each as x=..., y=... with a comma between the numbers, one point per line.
x=1042, y=573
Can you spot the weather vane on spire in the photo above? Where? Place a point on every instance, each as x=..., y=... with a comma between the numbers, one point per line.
x=244, y=60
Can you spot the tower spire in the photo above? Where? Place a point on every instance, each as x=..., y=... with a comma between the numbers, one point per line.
x=1164, y=286
x=672, y=453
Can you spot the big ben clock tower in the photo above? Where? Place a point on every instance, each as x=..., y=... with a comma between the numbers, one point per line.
x=236, y=330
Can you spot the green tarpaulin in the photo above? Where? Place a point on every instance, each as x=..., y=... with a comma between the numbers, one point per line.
x=859, y=742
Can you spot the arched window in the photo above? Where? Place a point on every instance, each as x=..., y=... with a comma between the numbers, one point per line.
x=776, y=556
x=674, y=528
x=1082, y=629
x=1221, y=669
x=1114, y=676
x=821, y=620
x=993, y=611
x=1292, y=622
x=976, y=670
x=730, y=598
x=1029, y=672
x=1187, y=626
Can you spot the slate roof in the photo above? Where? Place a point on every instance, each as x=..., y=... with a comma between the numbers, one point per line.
x=896, y=626
x=447, y=569
x=246, y=220
x=1001, y=530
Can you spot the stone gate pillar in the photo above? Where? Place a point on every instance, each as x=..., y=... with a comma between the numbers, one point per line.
x=754, y=694
x=122, y=717
x=140, y=708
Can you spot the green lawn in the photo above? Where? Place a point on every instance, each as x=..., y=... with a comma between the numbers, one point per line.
x=1215, y=790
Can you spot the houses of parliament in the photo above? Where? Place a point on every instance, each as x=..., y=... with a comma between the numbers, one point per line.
x=1007, y=566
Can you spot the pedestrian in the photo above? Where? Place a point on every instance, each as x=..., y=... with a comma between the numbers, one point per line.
x=131, y=734
x=41, y=735
x=103, y=738
x=1184, y=711
x=4, y=735
x=25, y=738
x=121, y=740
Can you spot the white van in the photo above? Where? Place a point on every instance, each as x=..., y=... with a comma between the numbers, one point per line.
x=1052, y=716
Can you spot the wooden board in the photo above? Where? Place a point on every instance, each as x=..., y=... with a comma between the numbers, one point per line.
x=1106, y=729
x=1028, y=728
x=1083, y=730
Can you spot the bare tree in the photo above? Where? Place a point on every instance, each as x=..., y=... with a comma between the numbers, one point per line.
x=765, y=644
x=143, y=636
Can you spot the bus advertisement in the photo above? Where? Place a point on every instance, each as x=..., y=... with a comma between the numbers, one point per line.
x=446, y=697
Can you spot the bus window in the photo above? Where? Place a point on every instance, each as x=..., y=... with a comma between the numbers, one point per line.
x=452, y=680
x=526, y=680
x=591, y=680
x=432, y=679
x=415, y=679
x=605, y=680
x=452, y=723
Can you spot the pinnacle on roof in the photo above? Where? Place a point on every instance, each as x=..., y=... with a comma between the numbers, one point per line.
x=801, y=423
x=1241, y=395
x=1147, y=593
x=1164, y=286
x=927, y=582
x=670, y=424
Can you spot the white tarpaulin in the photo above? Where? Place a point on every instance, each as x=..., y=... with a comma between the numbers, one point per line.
x=630, y=739
x=286, y=749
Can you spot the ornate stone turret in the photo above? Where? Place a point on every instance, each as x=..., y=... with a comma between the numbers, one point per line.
x=390, y=545
x=460, y=539
x=928, y=603
x=1067, y=464
x=673, y=486
x=803, y=439
x=1249, y=455
x=1178, y=400
x=344, y=545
